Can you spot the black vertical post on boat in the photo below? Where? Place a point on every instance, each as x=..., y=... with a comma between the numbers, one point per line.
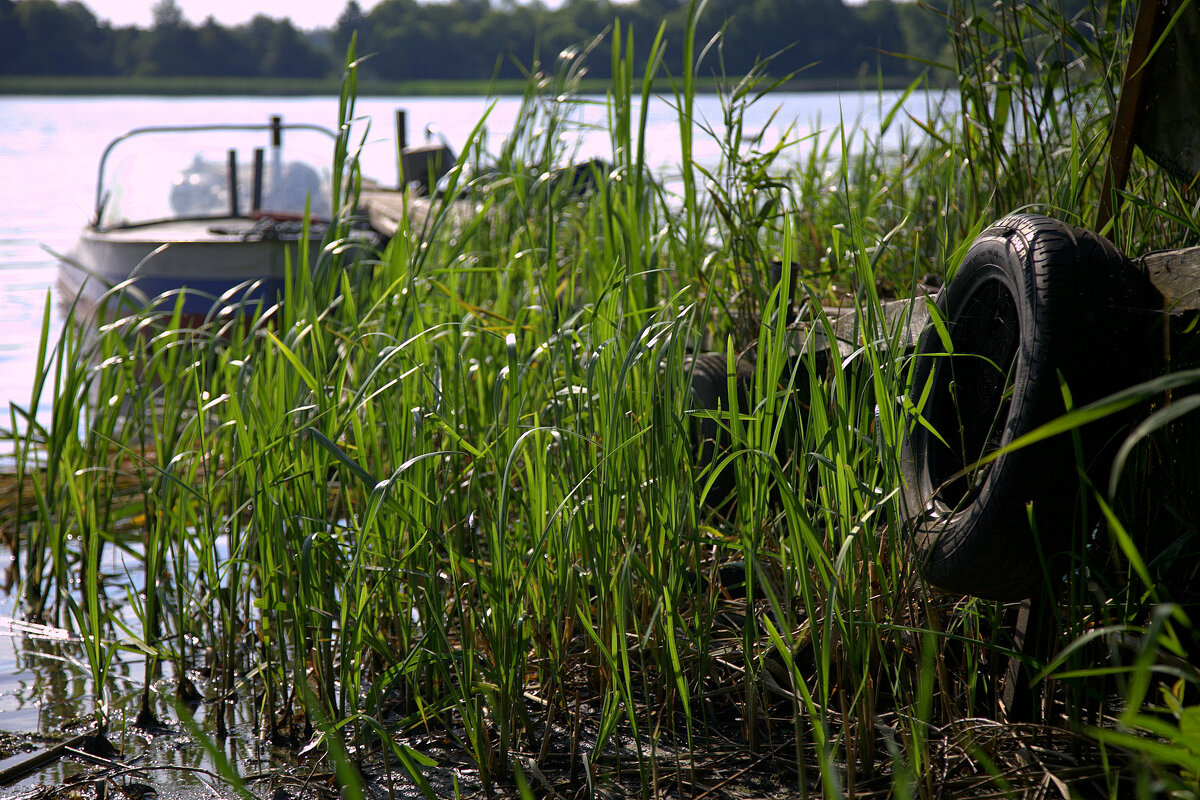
x=276, y=151
x=401, y=142
x=233, y=183
x=258, y=180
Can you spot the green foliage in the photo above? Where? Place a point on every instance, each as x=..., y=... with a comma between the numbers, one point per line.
x=448, y=487
x=42, y=37
x=467, y=39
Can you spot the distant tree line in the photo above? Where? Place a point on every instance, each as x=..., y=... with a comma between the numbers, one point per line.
x=472, y=39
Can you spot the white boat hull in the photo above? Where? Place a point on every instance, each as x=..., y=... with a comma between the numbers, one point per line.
x=215, y=264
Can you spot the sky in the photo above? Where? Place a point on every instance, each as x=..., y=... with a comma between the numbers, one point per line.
x=310, y=14
x=307, y=15
x=319, y=14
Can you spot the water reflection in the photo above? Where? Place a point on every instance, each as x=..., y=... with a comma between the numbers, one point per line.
x=46, y=688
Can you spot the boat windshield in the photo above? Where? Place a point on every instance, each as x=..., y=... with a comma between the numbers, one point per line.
x=166, y=173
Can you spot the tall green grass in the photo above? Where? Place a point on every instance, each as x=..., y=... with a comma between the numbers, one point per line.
x=445, y=490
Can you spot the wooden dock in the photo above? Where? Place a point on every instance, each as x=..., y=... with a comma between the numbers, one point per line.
x=1174, y=273
x=386, y=210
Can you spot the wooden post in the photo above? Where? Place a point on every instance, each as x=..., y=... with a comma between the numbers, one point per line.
x=233, y=183
x=256, y=204
x=1033, y=641
x=401, y=143
x=1146, y=28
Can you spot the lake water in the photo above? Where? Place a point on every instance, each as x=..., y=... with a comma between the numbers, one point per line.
x=50, y=148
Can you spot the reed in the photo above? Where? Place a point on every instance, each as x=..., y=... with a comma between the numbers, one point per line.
x=446, y=489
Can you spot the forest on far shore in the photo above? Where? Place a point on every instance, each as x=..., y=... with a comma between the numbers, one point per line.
x=819, y=40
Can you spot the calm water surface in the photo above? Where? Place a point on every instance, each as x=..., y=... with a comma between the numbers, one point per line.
x=50, y=148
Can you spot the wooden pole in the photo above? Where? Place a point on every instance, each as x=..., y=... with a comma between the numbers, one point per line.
x=1146, y=28
x=401, y=143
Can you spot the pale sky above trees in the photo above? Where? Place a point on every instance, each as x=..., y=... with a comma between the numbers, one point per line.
x=233, y=12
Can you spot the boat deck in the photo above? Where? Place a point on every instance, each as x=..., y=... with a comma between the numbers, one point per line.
x=184, y=230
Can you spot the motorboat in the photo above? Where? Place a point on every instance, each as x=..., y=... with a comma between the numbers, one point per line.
x=208, y=216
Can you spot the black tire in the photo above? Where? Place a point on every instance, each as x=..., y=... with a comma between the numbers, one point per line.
x=1033, y=299
x=710, y=392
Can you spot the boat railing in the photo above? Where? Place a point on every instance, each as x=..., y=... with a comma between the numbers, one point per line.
x=275, y=127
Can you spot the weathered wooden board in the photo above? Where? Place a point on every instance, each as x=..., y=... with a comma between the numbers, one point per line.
x=1176, y=275
x=901, y=323
x=386, y=208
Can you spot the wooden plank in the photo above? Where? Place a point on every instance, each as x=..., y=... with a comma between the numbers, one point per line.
x=21, y=764
x=1176, y=275
x=386, y=208
x=901, y=323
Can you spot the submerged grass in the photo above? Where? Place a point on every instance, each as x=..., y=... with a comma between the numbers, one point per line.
x=442, y=498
